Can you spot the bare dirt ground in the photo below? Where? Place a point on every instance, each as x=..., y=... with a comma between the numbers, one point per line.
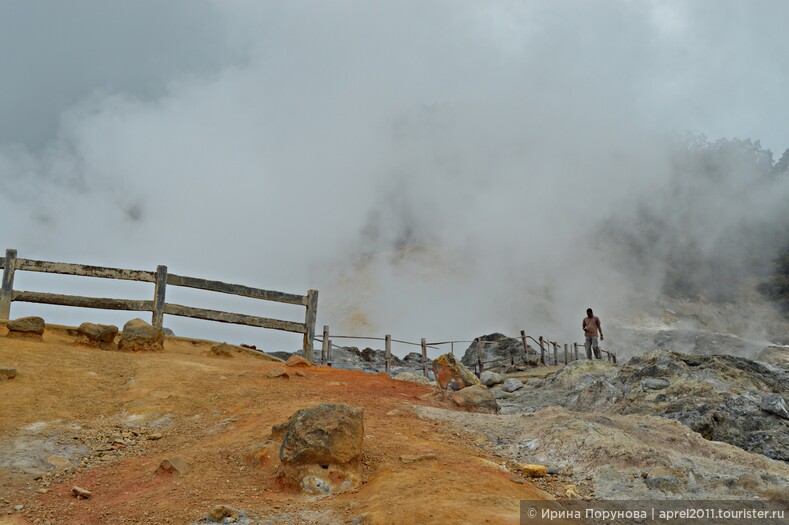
x=105, y=420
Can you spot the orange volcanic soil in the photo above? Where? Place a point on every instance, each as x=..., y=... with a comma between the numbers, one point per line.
x=105, y=420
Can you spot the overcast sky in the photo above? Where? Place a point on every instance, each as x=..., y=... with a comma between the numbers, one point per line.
x=433, y=168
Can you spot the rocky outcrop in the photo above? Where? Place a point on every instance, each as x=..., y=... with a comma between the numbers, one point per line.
x=26, y=327
x=139, y=336
x=501, y=354
x=321, y=448
x=101, y=335
x=451, y=374
x=721, y=397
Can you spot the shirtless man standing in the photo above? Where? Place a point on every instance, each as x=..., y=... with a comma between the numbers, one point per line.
x=591, y=325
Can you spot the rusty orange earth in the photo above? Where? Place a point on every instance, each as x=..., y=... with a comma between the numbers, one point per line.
x=213, y=411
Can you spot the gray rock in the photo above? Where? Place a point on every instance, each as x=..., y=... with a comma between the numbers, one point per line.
x=500, y=354
x=139, y=336
x=655, y=383
x=500, y=394
x=489, y=378
x=26, y=326
x=775, y=404
x=101, y=334
x=511, y=385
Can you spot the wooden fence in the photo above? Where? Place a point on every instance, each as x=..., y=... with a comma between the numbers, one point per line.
x=161, y=279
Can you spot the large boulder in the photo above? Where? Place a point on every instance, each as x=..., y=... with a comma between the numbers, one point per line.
x=321, y=448
x=500, y=353
x=26, y=327
x=476, y=398
x=139, y=336
x=451, y=374
x=102, y=335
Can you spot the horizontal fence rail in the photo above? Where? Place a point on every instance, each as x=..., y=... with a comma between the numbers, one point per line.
x=158, y=307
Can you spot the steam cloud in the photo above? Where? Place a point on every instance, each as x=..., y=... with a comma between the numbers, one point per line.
x=435, y=169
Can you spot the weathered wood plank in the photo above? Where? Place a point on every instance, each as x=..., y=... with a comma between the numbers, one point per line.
x=103, y=303
x=228, y=317
x=85, y=270
x=424, y=356
x=235, y=289
x=309, y=323
x=157, y=319
x=7, y=284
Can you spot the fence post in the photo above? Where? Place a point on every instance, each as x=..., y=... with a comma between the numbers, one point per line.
x=328, y=354
x=424, y=356
x=325, y=347
x=525, y=348
x=388, y=352
x=157, y=319
x=555, y=353
x=613, y=358
x=575, y=349
x=542, y=350
x=565, y=354
x=7, y=289
x=309, y=323
x=480, y=356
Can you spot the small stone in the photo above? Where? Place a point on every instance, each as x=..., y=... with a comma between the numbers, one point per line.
x=394, y=412
x=296, y=360
x=154, y=437
x=222, y=350
x=223, y=513
x=534, y=471
x=300, y=373
x=512, y=384
x=517, y=480
x=571, y=491
x=7, y=373
x=81, y=493
x=277, y=372
x=43, y=491
x=655, y=383
x=174, y=465
x=19, y=508
x=413, y=459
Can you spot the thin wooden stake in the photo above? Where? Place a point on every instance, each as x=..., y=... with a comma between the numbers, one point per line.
x=480, y=356
x=424, y=356
x=325, y=347
x=565, y=354
x=388, y=353
x=525, y=347
x=542, y=350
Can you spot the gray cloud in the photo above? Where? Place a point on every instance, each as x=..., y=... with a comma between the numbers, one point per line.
x=436, y=169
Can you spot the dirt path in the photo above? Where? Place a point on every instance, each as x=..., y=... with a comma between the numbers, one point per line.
x=104, y=420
